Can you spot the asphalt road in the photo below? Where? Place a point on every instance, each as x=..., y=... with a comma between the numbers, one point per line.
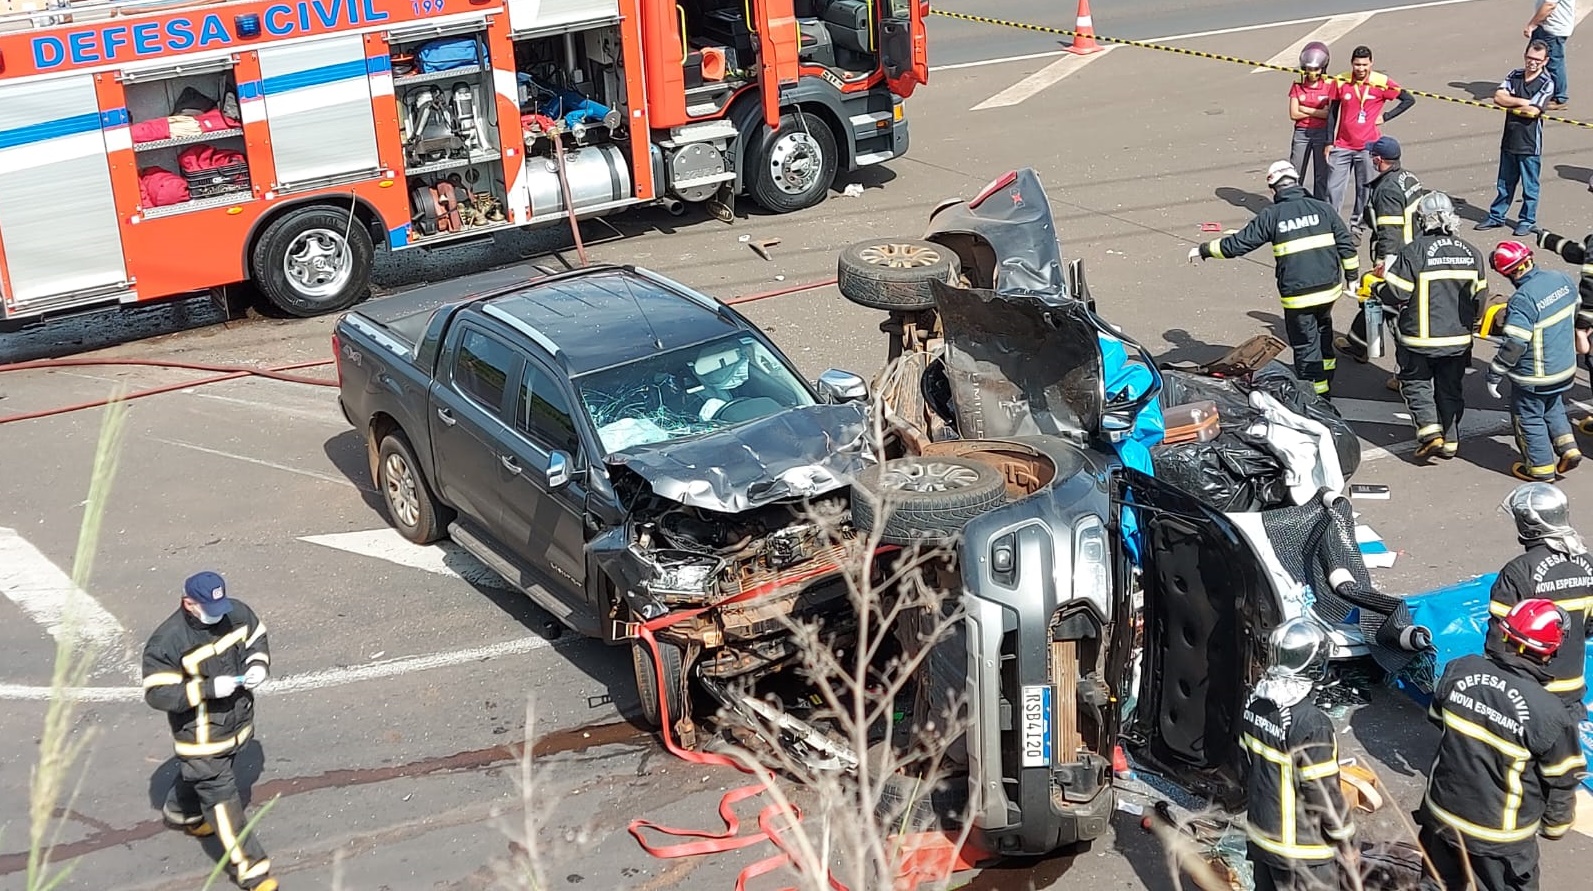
x=403, y=681
x=953, y=42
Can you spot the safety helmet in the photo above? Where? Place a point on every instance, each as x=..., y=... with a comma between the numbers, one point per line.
x=1540, y=511
x=1298, y=648
x=1509, y=257
x=1281, y=171
x=1537, y=626
x=1437, y=213
x=1315, y=55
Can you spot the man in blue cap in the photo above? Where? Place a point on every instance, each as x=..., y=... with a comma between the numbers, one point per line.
x=201, y=667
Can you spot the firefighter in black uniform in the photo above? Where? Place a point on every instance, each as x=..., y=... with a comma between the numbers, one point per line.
x=200, y=668
x=1556, y=567
x=1316, y=260
x=1580, y=255
x=1298, y=825
x=1508, y=758
x=1437, y=283
x=1391, y=215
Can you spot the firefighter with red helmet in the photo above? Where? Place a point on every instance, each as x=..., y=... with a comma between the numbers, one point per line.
x=1508, y=757
x=1557, y=567
x=1538, y=353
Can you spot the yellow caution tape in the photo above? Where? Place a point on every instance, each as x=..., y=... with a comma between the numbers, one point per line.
x=1219, y=57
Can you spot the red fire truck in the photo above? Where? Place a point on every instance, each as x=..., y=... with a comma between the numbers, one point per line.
x=150, y=149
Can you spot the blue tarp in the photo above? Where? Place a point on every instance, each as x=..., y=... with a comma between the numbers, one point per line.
x=1458, y=617
x=1130, y=380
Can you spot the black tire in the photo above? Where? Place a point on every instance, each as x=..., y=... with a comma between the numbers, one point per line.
x=674, y=659
x=924, y=500
x=894, y=273
x=411, y=507
x=329, y=255
x=909, y=804
x=803, y=143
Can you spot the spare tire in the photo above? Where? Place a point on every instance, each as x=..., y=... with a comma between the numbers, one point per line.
x=924, y=499
x=894, y=273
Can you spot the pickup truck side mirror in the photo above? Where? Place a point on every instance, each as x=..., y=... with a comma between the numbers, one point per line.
x=558, y=470
x=836, y=386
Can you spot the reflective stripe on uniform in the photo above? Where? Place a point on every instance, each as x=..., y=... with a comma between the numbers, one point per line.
x=192, y=658
x=1398, y=282
x=1391, y=221
x=163, y=678
x=1587, y=268
x=259, y=630
x=1564, y=685
x=1330, y=364
x=1320, y=387
x=206, y=748
x=1519, y=756
x=1303, y=243
x=1423, y=335
x=1214, y=248
x=1560, y=769
x=1466, y=827
x=233, y=843
x=1315, y=298
x=1448, y=341
x=1429, y=430
x=1288, y=846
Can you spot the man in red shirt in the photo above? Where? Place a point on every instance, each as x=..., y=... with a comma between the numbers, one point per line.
x=1357, y=116
x=1309, y=100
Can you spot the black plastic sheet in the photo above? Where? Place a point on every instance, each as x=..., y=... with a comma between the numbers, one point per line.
x=1226, y=473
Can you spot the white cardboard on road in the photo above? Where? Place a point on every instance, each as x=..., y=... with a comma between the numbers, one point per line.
x=49, y=597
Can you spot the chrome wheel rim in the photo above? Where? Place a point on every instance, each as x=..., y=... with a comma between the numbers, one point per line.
x=928, y=476
x=402, y=495
x=318, y=262
x=795, y=162
x=899, y=256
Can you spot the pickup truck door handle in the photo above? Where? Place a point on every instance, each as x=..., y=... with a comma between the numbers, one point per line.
x=509, y=463
x=446, y=416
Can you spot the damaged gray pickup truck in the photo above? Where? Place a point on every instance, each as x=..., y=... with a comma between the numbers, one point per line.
x=618, y=447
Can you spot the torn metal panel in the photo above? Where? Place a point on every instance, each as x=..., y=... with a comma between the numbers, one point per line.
x=1007, y=240
x=1020, y=365
x=800, y=453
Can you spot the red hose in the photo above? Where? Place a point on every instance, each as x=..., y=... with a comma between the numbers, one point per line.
x=229, y=372
x=780, y=292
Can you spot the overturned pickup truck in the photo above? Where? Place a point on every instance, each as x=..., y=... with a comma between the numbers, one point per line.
x=1103, y=604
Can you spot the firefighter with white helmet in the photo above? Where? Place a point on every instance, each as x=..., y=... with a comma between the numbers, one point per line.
x=1437, y=284
x=1298, y=825
x=1555, y=566
x=1316, y=260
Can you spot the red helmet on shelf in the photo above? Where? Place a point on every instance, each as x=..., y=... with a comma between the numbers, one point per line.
x=1508, y=257
x=1537, y=626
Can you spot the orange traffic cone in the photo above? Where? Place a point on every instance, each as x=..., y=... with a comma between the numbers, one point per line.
x=1084, y=42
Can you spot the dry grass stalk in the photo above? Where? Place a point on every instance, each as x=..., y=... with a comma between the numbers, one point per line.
x=63, y=744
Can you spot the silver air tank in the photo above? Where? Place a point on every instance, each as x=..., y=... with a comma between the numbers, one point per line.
x=598, y=174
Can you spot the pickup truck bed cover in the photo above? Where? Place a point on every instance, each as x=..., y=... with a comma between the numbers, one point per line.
x=405, y=315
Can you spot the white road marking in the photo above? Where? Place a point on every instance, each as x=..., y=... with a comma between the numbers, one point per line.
x=301, y=683
x=1240, y=29
x=1584, y=812
x=331, y=416
x=1477, y=424
x=1045, y=77
x=312, y=474
x=1333, y=29
x=49, y=597
x=443, y=558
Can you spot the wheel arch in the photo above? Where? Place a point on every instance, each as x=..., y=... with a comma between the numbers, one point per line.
x=364, y=212
x=381, y=426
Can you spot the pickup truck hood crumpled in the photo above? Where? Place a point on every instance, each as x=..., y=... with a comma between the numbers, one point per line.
x=799, y=453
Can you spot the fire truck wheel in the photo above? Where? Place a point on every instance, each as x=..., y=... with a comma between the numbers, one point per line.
x=313, y=261
x=794, y=166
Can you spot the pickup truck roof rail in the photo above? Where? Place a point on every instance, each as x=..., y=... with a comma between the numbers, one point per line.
x=51, y=13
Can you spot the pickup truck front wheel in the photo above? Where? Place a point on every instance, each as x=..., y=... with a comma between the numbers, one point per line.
x=413, y=509
x=647, y=679
x=313, y=261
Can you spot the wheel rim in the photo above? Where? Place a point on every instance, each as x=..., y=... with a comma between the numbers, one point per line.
x=899, y=256
x=795, y=163
x=318, y=262
x=402, y=496
x=928, y=476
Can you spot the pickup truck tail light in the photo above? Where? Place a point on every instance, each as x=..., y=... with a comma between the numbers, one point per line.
x=337, y=357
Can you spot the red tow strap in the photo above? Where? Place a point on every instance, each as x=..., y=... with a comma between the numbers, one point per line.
x=929, y=855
